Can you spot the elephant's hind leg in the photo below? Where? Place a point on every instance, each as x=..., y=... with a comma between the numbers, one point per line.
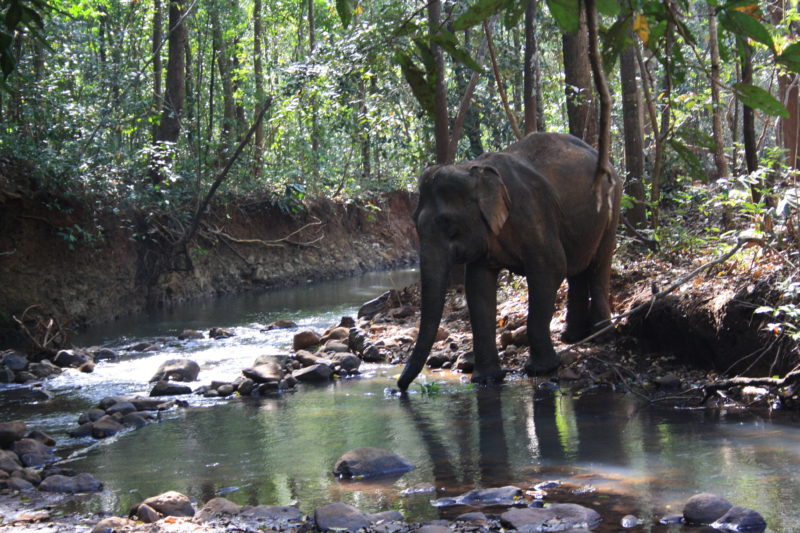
x=600, y=282
x=578, y=321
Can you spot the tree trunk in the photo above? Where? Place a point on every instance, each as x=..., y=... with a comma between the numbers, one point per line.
x=719, y=136
x=258, y=78
x=632, y=127
x=581, y=112
x=530, y=80
x=224, y=66
x=312, y=44
x=157, y=67
x=790, y=127
x=363, y=130
x=749, y=123
x=441, y=128
x=501, y=90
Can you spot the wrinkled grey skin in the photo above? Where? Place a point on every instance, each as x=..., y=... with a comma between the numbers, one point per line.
x=531, y=209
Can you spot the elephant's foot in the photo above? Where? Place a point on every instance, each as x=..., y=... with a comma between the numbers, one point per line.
x=541, y=365
x=572, y=335
x=494, y=375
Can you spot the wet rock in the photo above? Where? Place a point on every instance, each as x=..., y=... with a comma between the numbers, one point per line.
x=84, y=430
x=23, y=376
x=368, y=462
x=246, y=386
x=347, y=322
x=87, y=367
x=72, y=358
x=508, y=495
x=705, y=508
x=306, y=358
x=13, y=360
x=106, y=427
x=54, y=470
x=264, y=373
x=216, y=507
x=336, y=347
x=305, y=340
x=11, y=432
x=441, y=334
x=225, y=390
x=318, y=372
x=336, y=334
x=170, y=503
x=220, y=333
x=105, y=354
x=9, y=461
x=7, y=375
x=167, y=388
x=80, y=483
x=357, y=340
x=419, y=488
x=190, y=334
x=370, y=309
x=373, y=354
x=31, y=452
x=404, y=312
x=271, y=516
x=147, y=514
x=629, y=521
x=465, y=362
x=134, y=420
x=668, y=382
x=121, y=407
x=474, y=517
x=91, y=415
x=340, y=517
x=18, y=484
x=142, y=347
x=558, y=517
x=177, y=370
x=143, y=403
x=740, y=519
x=433, y=528
x=29, y=475
x=671, y=519
x=44, y=369
x=437, y=360
x=280, y=324
x=347, y=361
x=42, y=437
x=113, y=524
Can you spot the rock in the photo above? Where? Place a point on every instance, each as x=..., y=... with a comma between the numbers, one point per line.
x=370, y=309
x=441, y=334
x=23, y=395
x=53, y=470
x=264, y=373
x=167, y=388
x=668, y=382
x=13, y=360
x=105, y=427
x=336, y=334
x=385, y=516
x=44, y=369
x=31, y=452
x=465, y=362
x=190, y=334
x=143, y=403
x=11, y=432
x=705, y=508
x=340, y=517
x=91, y=415
x=433, y=528
x=29, y=475
x=404, y=312
x=9, y=461
x=348, y=361
x=347, y=322
x=305, y=340
x=280, y=324
x=18, y=484
x=72, y=358
x=368, y=462
x=508, y=495
x=177, y=370
x=171, y=503
x=318, y=372
x=84, y=430
x=436, y=360
x=245, y=387
x=557, y=517
x=142, y=347
x=272, y=516
x=134, y=420
x=80, y=483
x=216, y=507
x=113, y=524
x=225, y=390
x=306, y=358
x=475, y=517
x=7, y=375
x=357, y=340
x=336, y=347
x=373, y=354
x=42, y=437
x=147, y=514
x=628, y=521
x=87, y=367
x=121, y=407
x=105, y=354
x=220, y=333
x=740, y=519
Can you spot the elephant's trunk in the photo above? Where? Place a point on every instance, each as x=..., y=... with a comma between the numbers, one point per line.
x=434, y=277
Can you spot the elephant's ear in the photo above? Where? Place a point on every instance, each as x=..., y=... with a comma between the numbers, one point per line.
x=493, y=196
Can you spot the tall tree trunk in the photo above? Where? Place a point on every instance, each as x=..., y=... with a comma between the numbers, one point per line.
x=441, y=128
x=312, y=44
x=581, y=110
x=364, y=127
x=789, y=128
x=258, y=76
x=530, y=80
x=719, y=137
x=157, y=67
x=224, y=65
x=749, y=123
x=632, y=127
x=501, y=90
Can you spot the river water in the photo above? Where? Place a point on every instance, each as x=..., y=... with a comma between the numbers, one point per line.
x=608, y=451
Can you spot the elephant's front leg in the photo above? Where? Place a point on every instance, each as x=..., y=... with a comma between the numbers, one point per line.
x=542, y=289
x=481, y=287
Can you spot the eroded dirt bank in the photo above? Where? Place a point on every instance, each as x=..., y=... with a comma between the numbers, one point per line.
x=85, y=268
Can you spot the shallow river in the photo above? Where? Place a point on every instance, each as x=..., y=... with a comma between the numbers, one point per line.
x=619, y=456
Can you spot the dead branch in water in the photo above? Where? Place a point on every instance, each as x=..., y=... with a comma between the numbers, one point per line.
x=792, y=378
x=45, y=333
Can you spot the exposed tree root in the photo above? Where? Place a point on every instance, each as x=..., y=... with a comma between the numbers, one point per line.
x=45, y=333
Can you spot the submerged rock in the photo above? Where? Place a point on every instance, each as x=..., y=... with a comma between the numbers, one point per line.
x=177, y=370
x=317, y=372
x=32, y=452
x=80, y=483
x=368, y=462
x=166, y=388
x=740, y=519
x=558, y=517
x=705, y=508
x=220, y=333
x=508, y=495
x=105, y=427
x=191, y=334
x=72, y=358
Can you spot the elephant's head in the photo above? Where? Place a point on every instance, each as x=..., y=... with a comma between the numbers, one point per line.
x=461, y=208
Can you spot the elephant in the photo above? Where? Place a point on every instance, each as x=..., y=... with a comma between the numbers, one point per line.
x=532, y=209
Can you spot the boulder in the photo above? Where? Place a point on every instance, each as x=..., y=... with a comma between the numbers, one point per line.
x=23, y=395
x=347, y=361
x=318, y=372
x=368, y=462
x=307, y=358
x=42, y=437
x=357, y=340
x=113, y=524
x=740, y=519
x=9, y=461
x=167, y=388
x=80, y=483
x=305, y=340
x=557, y=517
x=191, y=334
x=11, y=432
x=370, y=309
x=336, y=347
x=225, y=390
x=347, y=322
x=28, y=474
x=147, y=514
x=7, y=375
x=280, y=324
x=134, y=420
x=31, y=452
x=373, y=354
x=177, y=370
x=170, y=503
x=84, y=430
x=72, y=358
x=105, y=354
x=465, y=362
x=274, y=517
x=106, y=427
x=44, y=369
x=121, y=407
x=705, y=508
x=337, y=334
x=437, y=360
x=220, y=333
x=18, y=484
x=340, y=517
x=264, y=373
x=476, y=517
x=142, y=347
x=215, y=507
x=245, y=387
x=508, y=495
x=91, y=415
x=13, y=360
x=143, y=403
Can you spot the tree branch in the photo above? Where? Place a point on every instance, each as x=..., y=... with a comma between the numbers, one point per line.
x=500, y=87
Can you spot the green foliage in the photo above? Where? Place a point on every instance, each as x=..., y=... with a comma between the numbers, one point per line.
x=758, y=98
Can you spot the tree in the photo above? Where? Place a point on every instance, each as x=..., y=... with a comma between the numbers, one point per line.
x=632, y=129
x=581, y=110
x=531, y=95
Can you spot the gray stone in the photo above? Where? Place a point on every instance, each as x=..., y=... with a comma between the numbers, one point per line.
x=216, y=507
x=113, y=524
x=80, y=483
x=191, y=334
x=340, y=517
x=465, y=362
x=370, y=309
x=740, y=519
x=433, y=528
x=368, y=462
x=385, y=516
x=106, y=427
x=305, y=340
x=437, y=360
x=226, y=390
x=307, y=358
x=134, y=420
x=14, y=360
x=105, y=354
x=318, y=372
x=558, y=517
x=7, y=375
x=348, y=361
x=29, y=475
x=264, y=373
x=357, y=339
x=44, y=369
x=91, y=415
x=11, y=432
x=72, y=358
x=245, y=387
x=337, y=334
x=705, y=508
x=84, y=430
x=31, y=452
x=177, y=370
x=273, y=516
x=171, y=503
x=280, y=324
x=508, y=495
x=373, y=354
x=220, y=333
x=23, y=395
x=167, y=388
x=474, y=516
x=147, y=514
x=143, y=403
x=121, y=407
x=336, y=347
x=9, y=461
x=18, y=484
